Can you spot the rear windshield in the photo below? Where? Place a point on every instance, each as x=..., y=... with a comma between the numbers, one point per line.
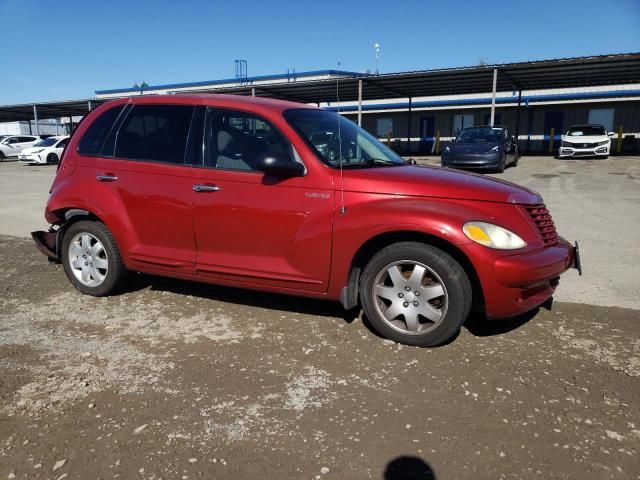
x=586, y=131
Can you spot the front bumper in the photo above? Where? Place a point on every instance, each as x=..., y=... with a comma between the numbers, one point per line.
x=478, y=161
x=515, y=284
x=571, y=152
x=30, y=158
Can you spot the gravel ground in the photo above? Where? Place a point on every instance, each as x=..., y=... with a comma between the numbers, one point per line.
x=178, y=380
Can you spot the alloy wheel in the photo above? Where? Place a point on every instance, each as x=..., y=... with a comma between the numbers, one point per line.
x=410, y=297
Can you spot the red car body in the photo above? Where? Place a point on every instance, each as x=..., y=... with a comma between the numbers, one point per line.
x=292, y=236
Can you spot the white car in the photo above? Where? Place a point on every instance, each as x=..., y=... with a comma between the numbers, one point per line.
x=12, y=145
x=47, y=151
x=585, y=141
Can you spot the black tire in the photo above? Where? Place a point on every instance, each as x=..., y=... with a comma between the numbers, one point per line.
x=516, y=158
x=451, y=274
x=501, y=165
x=116, y=270
x=2, y=157
x=52, y=159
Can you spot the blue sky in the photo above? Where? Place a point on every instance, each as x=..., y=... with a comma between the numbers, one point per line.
x=70, y=48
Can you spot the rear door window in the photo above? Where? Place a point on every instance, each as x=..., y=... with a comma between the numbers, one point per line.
x=156, y=133
x=94, y=137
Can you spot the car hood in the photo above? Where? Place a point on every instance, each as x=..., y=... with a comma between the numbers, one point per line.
x=472, y=147
x=586, y=139
x=425, y=181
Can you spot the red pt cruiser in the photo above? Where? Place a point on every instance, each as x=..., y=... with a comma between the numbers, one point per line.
x=288, y=198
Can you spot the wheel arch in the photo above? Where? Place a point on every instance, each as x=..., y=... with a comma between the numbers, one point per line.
x=67, y=217
x=349, y=296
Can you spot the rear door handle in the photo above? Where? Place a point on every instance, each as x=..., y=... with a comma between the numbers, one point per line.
x=205, y=188
x=106, y=178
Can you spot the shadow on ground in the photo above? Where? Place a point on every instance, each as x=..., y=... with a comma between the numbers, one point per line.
x=477, y=324
x=408, y=468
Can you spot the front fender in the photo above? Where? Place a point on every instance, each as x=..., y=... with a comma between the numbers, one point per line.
x=366, y=218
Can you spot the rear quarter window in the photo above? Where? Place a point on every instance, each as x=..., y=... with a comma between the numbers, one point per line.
x=94, y=137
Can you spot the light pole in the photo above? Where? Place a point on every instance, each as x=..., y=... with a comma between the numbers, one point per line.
x=377, y=47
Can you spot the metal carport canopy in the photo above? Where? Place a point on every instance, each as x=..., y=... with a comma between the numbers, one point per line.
x=563, y=73
x=64, y=108
x=560, y=73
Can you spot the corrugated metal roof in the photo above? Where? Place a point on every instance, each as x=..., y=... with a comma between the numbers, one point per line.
x=615, y=69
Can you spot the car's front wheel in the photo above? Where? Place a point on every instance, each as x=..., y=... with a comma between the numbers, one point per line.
x=52, y=159
x=415, y=294
x=91, y=258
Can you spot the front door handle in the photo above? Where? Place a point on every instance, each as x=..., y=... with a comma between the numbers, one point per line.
x=205, y=188
x=106, y=178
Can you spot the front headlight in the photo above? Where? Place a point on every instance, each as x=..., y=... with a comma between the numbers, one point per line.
x=37, y=151
x=495, y=149
x=602, y=143
x=492, y=236
x=565, y=144
x=447, y=149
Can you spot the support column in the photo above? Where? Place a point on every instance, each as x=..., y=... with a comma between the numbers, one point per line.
x=360, y=102
x=493, y=95
x=89, y=105
x=518, y=115
x=409, y=127
x=35, y=117
x=253, y=91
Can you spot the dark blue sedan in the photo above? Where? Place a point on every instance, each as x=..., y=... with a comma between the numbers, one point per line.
x=482, y=147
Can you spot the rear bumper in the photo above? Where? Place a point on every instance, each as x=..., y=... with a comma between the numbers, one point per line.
x=47, y=243
x=518, y=283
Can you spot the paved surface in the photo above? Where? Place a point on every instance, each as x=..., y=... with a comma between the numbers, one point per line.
x=178, y=380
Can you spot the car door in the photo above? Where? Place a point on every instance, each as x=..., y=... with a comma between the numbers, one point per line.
x=254, y=229
x=12, y=146
x=144, y=177
x=26, y=142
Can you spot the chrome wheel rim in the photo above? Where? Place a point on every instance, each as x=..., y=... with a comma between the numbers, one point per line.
x=88, y=259
x=410, y=297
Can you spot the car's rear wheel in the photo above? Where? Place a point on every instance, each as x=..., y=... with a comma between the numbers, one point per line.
x=415, y=294
x=91, y=258
x=2, y=157
x=52, y=159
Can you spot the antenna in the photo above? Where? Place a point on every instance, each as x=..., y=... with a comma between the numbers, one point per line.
x=343, y=208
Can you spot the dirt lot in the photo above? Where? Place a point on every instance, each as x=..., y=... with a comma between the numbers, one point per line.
x=178, y=380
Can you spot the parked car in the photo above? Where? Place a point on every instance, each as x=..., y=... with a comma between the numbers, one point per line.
x=482, y=147
x=12, y=145
x=585, y=141
x=47, y=151
x=182, y=186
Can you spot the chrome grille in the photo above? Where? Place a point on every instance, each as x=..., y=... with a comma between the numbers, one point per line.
x=543, y=220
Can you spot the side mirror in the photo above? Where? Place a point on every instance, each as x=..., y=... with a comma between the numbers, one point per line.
x=280, y=167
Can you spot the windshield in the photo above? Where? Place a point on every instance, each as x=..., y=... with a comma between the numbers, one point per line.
x=47, y=142
x=480, y=135
x=586, y=131
x=336, y=139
